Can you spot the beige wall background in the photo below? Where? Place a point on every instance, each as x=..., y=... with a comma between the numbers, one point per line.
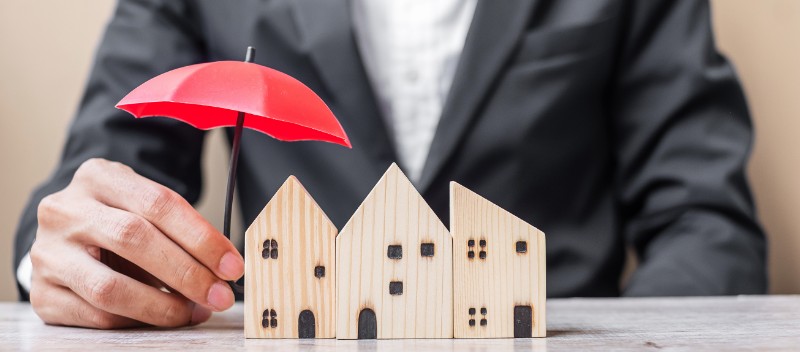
x=46, y=49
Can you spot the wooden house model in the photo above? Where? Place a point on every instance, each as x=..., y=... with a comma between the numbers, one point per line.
x=498, y=270
x=394, y=267
x=394, y=271
x=290, y=268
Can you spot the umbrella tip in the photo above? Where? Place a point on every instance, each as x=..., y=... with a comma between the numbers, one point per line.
x=251, y=54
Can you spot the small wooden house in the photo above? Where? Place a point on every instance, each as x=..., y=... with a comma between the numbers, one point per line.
x=498, y=270
x=290, y=268
x=394, y=267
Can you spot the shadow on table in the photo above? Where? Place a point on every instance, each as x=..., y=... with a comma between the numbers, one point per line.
x=575, y=332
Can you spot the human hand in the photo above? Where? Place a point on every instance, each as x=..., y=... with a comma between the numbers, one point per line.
x=115, y=249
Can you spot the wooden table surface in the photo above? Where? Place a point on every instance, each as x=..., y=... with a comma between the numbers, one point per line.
x=713, y=323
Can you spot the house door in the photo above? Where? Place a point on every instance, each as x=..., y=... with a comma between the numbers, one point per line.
x=523, y=321
x=306, y=325
x=367, y=324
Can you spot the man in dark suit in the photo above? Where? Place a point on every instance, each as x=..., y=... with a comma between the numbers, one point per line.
x=607, y=124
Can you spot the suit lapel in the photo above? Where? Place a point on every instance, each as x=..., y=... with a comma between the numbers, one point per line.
x=326, y=32
x=495, y=29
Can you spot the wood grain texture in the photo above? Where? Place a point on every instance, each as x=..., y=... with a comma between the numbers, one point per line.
x=746, y=323
x=287, y=281
x=498, y=264
x=394, y=213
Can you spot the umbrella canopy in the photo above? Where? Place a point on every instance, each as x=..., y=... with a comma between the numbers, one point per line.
x=212, y=94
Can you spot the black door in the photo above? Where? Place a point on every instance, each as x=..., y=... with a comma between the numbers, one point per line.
x=523, y=321
x=306, y=325
x=367, y=325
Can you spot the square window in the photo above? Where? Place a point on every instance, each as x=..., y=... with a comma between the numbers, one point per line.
x=395, y=251
x=471, y=254
x=472, y=311
x=522, y=247
x=426, y=249
x=483, y=243
x=319, y=271
x=482, y=254
x=472, y=322
x=396, y=288
x=483, y=322
x=471, y=243
x=483, y=311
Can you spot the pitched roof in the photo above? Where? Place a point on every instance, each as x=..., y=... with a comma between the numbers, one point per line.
x=292, y=191
x=463, y=199
x=393, y=184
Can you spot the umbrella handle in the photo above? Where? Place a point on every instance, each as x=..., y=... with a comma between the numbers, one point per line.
x=237, y=138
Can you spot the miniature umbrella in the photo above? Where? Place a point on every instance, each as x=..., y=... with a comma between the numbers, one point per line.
x=240, y=94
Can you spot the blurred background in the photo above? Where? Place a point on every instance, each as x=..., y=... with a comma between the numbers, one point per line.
x=46, y=49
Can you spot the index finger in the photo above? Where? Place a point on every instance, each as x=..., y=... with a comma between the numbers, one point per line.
x=118, y=186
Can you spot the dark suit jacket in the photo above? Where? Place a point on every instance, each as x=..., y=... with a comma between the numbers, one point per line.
x=604, y=123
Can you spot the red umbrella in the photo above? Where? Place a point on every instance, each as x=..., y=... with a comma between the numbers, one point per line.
x=240, y=94
x=213, y=94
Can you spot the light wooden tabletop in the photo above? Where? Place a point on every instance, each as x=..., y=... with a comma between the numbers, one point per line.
x=713, y=323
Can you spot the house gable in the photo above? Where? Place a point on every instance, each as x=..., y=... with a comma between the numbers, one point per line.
x=290, y=268
x=394, y=259
x=498, y=270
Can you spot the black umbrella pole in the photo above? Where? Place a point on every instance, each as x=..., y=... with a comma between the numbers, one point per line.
x=237, y=139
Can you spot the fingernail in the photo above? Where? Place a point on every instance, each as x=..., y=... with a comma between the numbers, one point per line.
x=231, y=266
x=220, y=296
x=200, y=314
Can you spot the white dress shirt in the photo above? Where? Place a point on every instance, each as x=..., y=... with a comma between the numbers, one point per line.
x=410, y=49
